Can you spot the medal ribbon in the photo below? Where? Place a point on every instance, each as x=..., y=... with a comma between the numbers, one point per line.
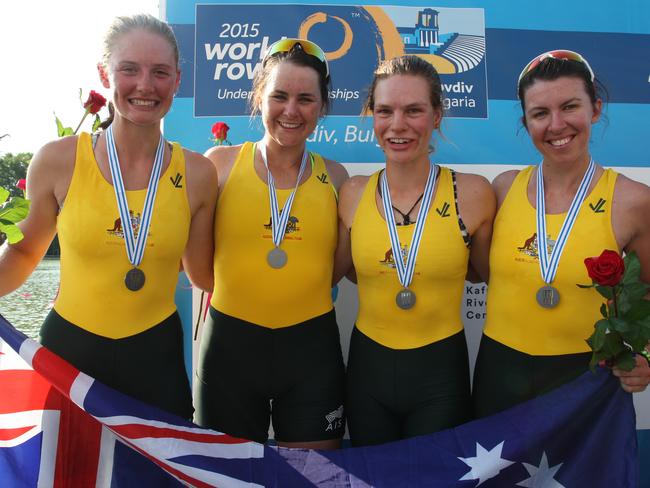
x=279, y=219
x=134, y=245
x=548, y=264
x=405, y=270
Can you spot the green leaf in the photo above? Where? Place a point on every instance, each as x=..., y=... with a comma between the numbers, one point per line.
x=3, y=194
x=12, y=232
x=96, y=123
x=603, y=310
x=613, y=345
x=585, y=286
x=632, y=268
x=618, y=324
x=625, y=361
x=639, y=312
x=598, y=337
x=605, y=291
x=634, y=291
x=14, y=210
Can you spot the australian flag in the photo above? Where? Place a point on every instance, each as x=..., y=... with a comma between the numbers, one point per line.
x=61, y=428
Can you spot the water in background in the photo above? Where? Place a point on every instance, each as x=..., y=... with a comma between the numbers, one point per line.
x=26, y=307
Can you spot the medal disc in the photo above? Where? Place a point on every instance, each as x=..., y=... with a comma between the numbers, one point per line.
x=134, y=279
x=276, y=258
x=548, y=296
x=405, y=299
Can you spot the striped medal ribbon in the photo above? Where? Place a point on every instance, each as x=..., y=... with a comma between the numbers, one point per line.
x=405, y=298
x=548, y=296
x=135, y=245
x=277, y=258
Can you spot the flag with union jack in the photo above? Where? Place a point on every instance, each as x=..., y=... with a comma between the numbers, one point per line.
x=61, y=428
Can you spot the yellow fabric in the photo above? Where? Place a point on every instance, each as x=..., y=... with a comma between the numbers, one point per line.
x=514, y=317
x=438, y=279
x=93, y=255
x=245, y=286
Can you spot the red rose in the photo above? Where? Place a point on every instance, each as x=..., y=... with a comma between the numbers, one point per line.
x=220, y=131
x=95, y=102
x=21, y=184
x=607, y=269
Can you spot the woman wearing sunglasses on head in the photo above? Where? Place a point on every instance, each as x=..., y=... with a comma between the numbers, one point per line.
x=410, y=230
x=270, y=346
x=537, y=318
x=123, y=227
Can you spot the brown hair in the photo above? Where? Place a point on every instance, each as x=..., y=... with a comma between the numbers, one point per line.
x=406, y=65
x=296, y=56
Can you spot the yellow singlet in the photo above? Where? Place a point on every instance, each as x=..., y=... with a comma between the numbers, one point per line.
x=514, y=317
x=245, y=286
x=438, y=279
x=93, y=257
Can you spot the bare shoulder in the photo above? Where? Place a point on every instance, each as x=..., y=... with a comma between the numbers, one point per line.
x=631, y=195
x=337, y=172
x=223, y=155
x=200, y=169
x=349, y=197
x=473, y=185
x=59, y=154
x=51, y=168
x=502, y=183
x=476, y=200
x=223, y=158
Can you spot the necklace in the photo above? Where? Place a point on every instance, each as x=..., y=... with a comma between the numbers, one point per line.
x=405, y=216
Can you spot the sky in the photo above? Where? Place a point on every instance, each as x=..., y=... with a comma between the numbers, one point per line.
x=48, y=50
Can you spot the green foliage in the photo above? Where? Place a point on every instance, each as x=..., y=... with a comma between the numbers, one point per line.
x=62, y=131
x=13, y=167
x=625, y=328
x=12, y=211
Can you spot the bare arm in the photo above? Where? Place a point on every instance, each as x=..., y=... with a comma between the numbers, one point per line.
x=631, y=223
x=202, y=190
x=48, y=178
x=349, y=198
x=477, y=207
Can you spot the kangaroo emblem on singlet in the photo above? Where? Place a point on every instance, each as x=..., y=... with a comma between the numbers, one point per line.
x=530, y=246
x=389, y=258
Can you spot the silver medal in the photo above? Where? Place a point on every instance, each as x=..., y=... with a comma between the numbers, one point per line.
x=548, y=296
x=405, y=299
x=134, y=279
x=277, y=258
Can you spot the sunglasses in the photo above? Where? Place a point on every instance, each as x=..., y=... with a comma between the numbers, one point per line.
x=558, y=54
x=286, y=45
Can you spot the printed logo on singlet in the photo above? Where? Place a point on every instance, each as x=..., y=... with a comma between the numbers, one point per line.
x=323, y=178
x=176, y=180
x=334, y=419
x=118, y=231
x=389, y=260
x=292, y=224
x=444, y=210
x=530, y=246
x=598, y=206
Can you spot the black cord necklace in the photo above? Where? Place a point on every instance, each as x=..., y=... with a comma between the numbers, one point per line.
x=405, y=216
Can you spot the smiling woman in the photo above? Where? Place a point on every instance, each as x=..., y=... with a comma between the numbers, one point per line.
x=270, y=346
x=108, y=197
x=551, y=217
x=410, y=231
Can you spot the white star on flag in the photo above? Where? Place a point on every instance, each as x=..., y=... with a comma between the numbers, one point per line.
x=541, y=476
x=486, y=464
